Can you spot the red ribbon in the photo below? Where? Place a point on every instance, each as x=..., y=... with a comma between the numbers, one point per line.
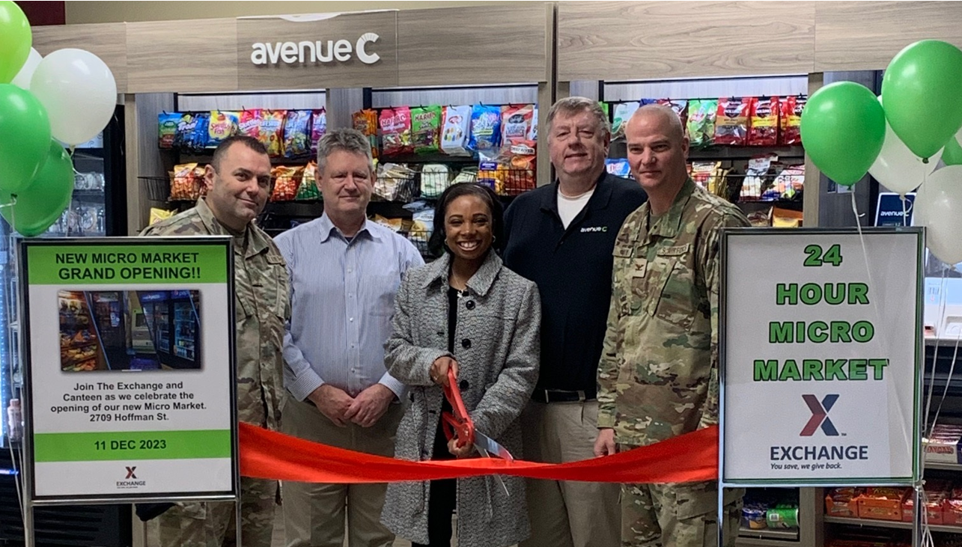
x=271, y=455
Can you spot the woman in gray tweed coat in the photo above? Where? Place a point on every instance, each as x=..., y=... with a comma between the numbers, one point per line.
x=467, y=312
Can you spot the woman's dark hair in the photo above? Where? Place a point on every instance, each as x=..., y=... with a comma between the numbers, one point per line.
x=436, y=244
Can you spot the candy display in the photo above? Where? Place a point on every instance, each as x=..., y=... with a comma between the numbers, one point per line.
x=425, y=129
x=485, y=127
x=456, y=130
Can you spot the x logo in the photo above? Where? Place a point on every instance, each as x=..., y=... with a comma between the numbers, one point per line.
x=820, y=415
x=130, y=472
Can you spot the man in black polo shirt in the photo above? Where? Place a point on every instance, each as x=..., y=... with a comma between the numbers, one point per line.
x=561, y=237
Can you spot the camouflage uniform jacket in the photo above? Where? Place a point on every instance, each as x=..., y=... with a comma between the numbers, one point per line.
x=261, y=308
x=658, y=375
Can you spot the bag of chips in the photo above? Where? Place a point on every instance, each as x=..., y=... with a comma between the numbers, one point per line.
x=425, y=129
x=618, y=167
x=157, y=215
x=184, y=136
x=249, y=123
x=680, y=107
x=435, y=178
x=167, y=123
x=394, y=182
x=395, y=126
x=196, y=131
x=516, y=122
x=455, y=131
x=516, y=171
x=764, y=123
x=533, y=132
x=365, y=121
x=487, y=168
x=297, y=127
x=701, y=122
x=307, y=190
x=731, y=122
x=791, y=120
x=223, y=124
x=318, y=128
x=272, y=125
x=286, y=181
x=185, y=185
x=623, y=112
x=485, y=127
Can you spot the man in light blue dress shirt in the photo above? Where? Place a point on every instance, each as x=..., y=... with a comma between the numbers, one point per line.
x=345, y=271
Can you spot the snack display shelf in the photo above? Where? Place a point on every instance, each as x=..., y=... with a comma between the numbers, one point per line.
x=955, y=529
x=78, y=345
x=789, y=534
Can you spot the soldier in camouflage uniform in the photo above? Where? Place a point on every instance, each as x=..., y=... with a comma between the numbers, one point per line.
x=239, y=182
x=658, y=375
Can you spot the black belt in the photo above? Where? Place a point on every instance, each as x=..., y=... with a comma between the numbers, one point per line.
x=562, y=396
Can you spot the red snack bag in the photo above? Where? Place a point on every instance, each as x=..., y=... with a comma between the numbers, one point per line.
x=286, y=181
x=764, y=124
x=680, y=107
x=250, y=123
x=790, y=120
x=396, y=131
x=731, y=123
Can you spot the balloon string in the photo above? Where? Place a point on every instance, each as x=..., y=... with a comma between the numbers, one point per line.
x=948, y=379
x=930, y=424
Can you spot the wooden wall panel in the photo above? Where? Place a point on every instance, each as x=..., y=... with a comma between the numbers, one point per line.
x=650, y=40
x=106, y=40
x=182, y=56
x=483, y=45
x=866, y=35
x=307, y=75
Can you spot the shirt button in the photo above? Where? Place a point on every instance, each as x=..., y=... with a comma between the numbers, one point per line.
x=469, y=304
x=351, y=319
x=440, y=333
x=466, y=344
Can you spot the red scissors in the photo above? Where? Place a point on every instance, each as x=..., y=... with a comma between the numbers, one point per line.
x=460, y=426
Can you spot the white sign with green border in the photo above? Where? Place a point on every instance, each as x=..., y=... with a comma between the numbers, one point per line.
x=821, y=348
x=129, y=368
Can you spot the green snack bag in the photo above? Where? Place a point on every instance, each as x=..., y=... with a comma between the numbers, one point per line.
x=426, y=129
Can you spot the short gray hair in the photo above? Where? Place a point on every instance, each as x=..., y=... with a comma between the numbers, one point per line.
x=349, y=140
x=576, y=105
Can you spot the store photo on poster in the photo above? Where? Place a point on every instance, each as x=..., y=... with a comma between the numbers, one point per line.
x=129, y=330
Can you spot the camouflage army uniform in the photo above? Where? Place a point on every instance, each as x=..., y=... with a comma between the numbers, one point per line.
x=658, y=373
x=261, y=308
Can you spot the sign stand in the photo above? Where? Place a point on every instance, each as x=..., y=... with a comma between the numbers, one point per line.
x=132, y=341
x=820, y=348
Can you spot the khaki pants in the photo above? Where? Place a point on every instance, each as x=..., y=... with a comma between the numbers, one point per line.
x=212, y=524
x=567, y=513
x=677, y=515
x=314, y=513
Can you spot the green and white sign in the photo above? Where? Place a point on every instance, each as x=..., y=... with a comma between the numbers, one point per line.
x=821, y=345
x=129, y=367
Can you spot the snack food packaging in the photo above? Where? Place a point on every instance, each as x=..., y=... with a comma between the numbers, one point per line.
x=790, y=120
x=516, y=122
x=455, y=131
x=764, y=123
x=249, y=123
x=318, y=128
x=618, y=167
x=156, y=215
x=222, y=124
x=307, y=189
x=731, y=121
x=395, y=126
x=435, y=178
x=366, y=121
x=623, y=112
x=701, y=122
x=485, y=127
x=186, y=181
x=425, y=129
x=271, y=128
x=297, y=133
x=167, y=123
x=286, y=181
x=679, y=106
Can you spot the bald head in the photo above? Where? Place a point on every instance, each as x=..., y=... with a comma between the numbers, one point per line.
x=664, y=118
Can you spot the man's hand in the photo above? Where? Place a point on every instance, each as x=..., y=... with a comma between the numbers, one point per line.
x=461, y=452
x=332, y=402
x=369, y=405
x=439, y=370
x=605, y=443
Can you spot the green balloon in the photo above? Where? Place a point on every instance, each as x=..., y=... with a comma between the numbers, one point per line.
x=952, y=153
x=921, y=87
x=843, y=128
x=15, y=40
x=41, y=203
x=24, y=137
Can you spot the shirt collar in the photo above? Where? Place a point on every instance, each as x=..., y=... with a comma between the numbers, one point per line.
x=669, y=224
x=252, y=241
x=328, y=228
x=480, y=283
x=598, y=200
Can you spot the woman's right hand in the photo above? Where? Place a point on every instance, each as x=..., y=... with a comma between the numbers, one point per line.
x=439, y=370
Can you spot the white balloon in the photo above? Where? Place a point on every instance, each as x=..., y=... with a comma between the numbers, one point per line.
x=898, y=168
x=79, y=92
x=938, y=207
x=22, y=79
